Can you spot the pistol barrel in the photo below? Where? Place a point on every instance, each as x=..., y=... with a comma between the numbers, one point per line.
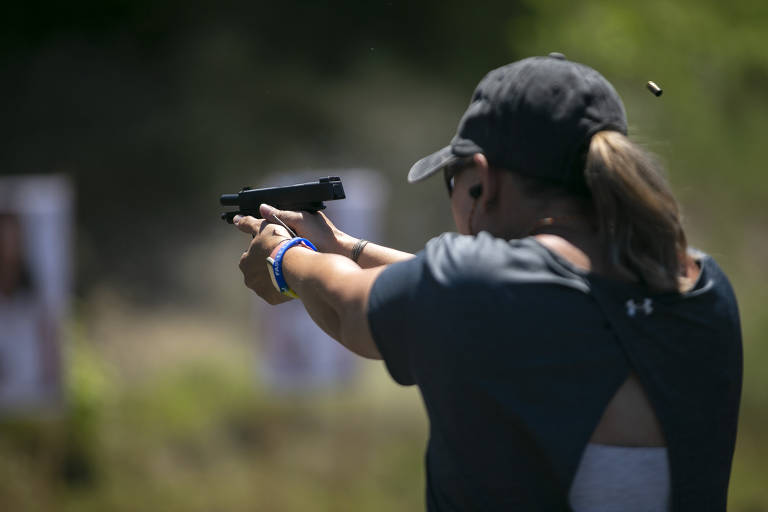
x=229, y=199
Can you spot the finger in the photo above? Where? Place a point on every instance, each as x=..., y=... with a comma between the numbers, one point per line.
x=242, y=263
x=292, y=219
x=247, y=224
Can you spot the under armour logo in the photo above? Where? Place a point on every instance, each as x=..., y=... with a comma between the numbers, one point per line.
x=633, y=307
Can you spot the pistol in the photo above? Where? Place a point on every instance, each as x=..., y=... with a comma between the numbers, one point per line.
x=304, y=196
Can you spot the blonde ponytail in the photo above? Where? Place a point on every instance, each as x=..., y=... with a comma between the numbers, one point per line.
x=638, y=217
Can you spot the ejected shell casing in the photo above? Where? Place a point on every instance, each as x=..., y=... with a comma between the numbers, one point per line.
x=655, y=89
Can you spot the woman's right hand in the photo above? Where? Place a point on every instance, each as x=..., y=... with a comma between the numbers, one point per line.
x=315, y=227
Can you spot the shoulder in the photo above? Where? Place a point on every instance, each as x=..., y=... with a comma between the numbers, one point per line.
x=456, y=267
x=713, y=289
x=712, y=283
x=453, y=258
x=711, y=274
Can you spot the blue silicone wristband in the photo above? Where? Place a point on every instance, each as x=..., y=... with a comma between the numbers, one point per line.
x=277, y=264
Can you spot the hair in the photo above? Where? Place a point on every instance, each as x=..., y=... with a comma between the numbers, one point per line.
x=637, y=215
x=626, y=194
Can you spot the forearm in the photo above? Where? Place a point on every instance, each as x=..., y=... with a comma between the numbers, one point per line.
x=373, y=255
x=334, y=291
x=329, y=239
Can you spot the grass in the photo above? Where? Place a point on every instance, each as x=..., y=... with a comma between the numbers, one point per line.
x=174, y=419
x=165, y=412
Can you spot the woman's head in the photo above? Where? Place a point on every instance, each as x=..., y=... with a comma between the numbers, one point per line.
x=623, y=198
x=545, y=138
x=535, y=116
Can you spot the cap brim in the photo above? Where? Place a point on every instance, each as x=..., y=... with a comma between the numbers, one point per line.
x=429, y=165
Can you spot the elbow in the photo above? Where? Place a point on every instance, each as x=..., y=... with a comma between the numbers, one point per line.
x=361, y=346
x=371, y=354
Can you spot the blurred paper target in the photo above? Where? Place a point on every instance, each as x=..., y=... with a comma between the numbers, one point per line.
x=295, y=354
x=35, y=275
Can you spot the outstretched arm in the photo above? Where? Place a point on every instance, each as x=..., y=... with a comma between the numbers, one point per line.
x=335, y=291
x=333, y=288
x=318, y=228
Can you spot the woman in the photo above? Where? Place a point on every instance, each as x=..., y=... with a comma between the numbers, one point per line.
x=571, y=351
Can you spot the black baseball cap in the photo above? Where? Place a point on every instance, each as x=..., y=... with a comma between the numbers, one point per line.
x=535, y=116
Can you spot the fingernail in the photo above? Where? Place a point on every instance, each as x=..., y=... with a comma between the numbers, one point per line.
x=236, y=219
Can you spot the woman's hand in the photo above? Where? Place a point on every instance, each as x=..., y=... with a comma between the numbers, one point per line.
x=315, y=227
x=253, y=263
x=333, y=288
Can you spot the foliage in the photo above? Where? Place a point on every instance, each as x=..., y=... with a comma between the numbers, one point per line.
x=195, y=434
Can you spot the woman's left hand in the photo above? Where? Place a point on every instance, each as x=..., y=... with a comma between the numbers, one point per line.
x=253, y=263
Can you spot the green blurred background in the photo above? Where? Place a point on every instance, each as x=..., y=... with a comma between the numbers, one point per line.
x=155, y=108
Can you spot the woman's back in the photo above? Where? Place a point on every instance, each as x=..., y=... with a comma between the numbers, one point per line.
x=516, y=393
x=629, y=418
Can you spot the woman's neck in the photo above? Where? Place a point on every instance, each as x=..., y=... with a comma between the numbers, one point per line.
x=584, y=250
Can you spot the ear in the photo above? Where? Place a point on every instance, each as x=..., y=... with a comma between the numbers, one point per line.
x=488, y=179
